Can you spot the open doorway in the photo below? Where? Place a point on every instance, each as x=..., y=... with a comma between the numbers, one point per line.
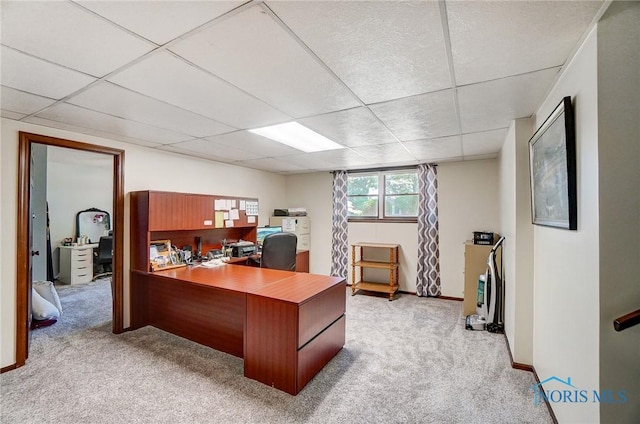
x=25, y=251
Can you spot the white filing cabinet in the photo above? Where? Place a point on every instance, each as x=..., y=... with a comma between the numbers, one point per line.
x=76, y=264
x=300, y=225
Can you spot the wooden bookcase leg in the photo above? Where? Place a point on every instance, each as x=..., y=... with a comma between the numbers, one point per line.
x=353, y=270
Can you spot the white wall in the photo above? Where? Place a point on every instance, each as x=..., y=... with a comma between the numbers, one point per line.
x=314, y=192
x=467, y=202
x=566, y=263
x=619, y=204
x=515, y=225
x=145, y=169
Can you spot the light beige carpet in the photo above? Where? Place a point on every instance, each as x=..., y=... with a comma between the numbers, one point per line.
x=406, y=361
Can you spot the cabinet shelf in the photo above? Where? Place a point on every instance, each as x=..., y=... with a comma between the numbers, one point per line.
x=375, y=264
x=390, y=286
x=376, y=287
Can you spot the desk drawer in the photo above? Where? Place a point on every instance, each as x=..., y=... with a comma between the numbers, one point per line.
x=319, y=312
x=81, y=264
x=315, y=355
x=84, y=254
x=81, y=275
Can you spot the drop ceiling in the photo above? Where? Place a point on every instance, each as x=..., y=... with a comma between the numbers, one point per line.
x=395, y=83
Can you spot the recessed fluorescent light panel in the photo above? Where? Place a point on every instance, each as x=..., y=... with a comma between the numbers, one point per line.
x=297, y=136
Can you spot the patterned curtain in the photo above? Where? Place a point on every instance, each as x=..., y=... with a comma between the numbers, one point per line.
x=340, y=243
x=428, y=278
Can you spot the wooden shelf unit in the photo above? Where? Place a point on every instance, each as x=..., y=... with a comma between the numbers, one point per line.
x=358, y=252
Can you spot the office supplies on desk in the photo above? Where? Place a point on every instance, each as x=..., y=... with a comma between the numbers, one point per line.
x=213, y=263
x=163, y=256
x=242, y=248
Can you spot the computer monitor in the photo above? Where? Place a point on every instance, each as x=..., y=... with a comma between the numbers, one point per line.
x=265, y=231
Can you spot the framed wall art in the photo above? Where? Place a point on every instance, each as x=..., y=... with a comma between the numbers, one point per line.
x=552, y=165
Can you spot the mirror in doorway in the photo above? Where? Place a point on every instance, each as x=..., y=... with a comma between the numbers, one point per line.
x=93, y=223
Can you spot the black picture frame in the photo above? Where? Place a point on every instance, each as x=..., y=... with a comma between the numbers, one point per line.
x=552, y=165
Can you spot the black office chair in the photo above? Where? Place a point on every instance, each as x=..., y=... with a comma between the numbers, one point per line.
x=279, y=251
x=104, y=254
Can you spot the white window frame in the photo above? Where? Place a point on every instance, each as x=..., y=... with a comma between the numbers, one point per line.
x=381, y=173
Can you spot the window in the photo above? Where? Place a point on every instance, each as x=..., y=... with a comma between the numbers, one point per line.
x=383, y=194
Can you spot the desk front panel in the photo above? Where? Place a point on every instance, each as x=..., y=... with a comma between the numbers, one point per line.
x=207, y=315
x=285, y=325
x=287, y=343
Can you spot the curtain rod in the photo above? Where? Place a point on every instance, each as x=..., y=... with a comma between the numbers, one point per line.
x=393, y=168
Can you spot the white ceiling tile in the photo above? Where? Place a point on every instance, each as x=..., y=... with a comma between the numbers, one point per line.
x=114, y=100
x=81, y=117
x=494, y=104
x=21, y=102
x=89, y=131
x=494, y=39
x=381, y=153
x=482, y=143
x=306, y=161
x=172, y=80
x=272, y=165
x=381, y=49
x=351, y=128
x=160, y=21
x=192, y=153
x=244, y=140
x=33, y=75
x=69, y=35
x=11, y=115
x=254, y=53
x=330, y=159
x=419, y=117
x=436, y=148
x=216, y=151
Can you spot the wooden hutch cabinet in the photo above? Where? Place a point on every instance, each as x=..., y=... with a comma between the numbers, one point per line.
x=182, y=218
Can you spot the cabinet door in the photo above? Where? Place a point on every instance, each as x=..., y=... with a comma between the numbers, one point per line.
x=166, y=211
x=199, y=211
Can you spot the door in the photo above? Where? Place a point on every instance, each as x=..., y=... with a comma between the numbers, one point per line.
x=24, y=218
x=38, y=214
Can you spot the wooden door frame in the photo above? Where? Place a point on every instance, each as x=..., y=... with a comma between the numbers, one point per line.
x=23, y=248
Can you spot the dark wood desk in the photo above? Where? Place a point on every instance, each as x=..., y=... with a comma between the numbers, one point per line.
x=287, y=326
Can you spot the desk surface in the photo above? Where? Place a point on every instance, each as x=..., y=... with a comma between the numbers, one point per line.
x=282, y=285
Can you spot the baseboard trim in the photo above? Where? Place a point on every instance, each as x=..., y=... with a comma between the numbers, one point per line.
x=8, y=368
x=436, y=297
x=549, y=408
x=459, y=299
x=532, y=369
x=516, y=365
